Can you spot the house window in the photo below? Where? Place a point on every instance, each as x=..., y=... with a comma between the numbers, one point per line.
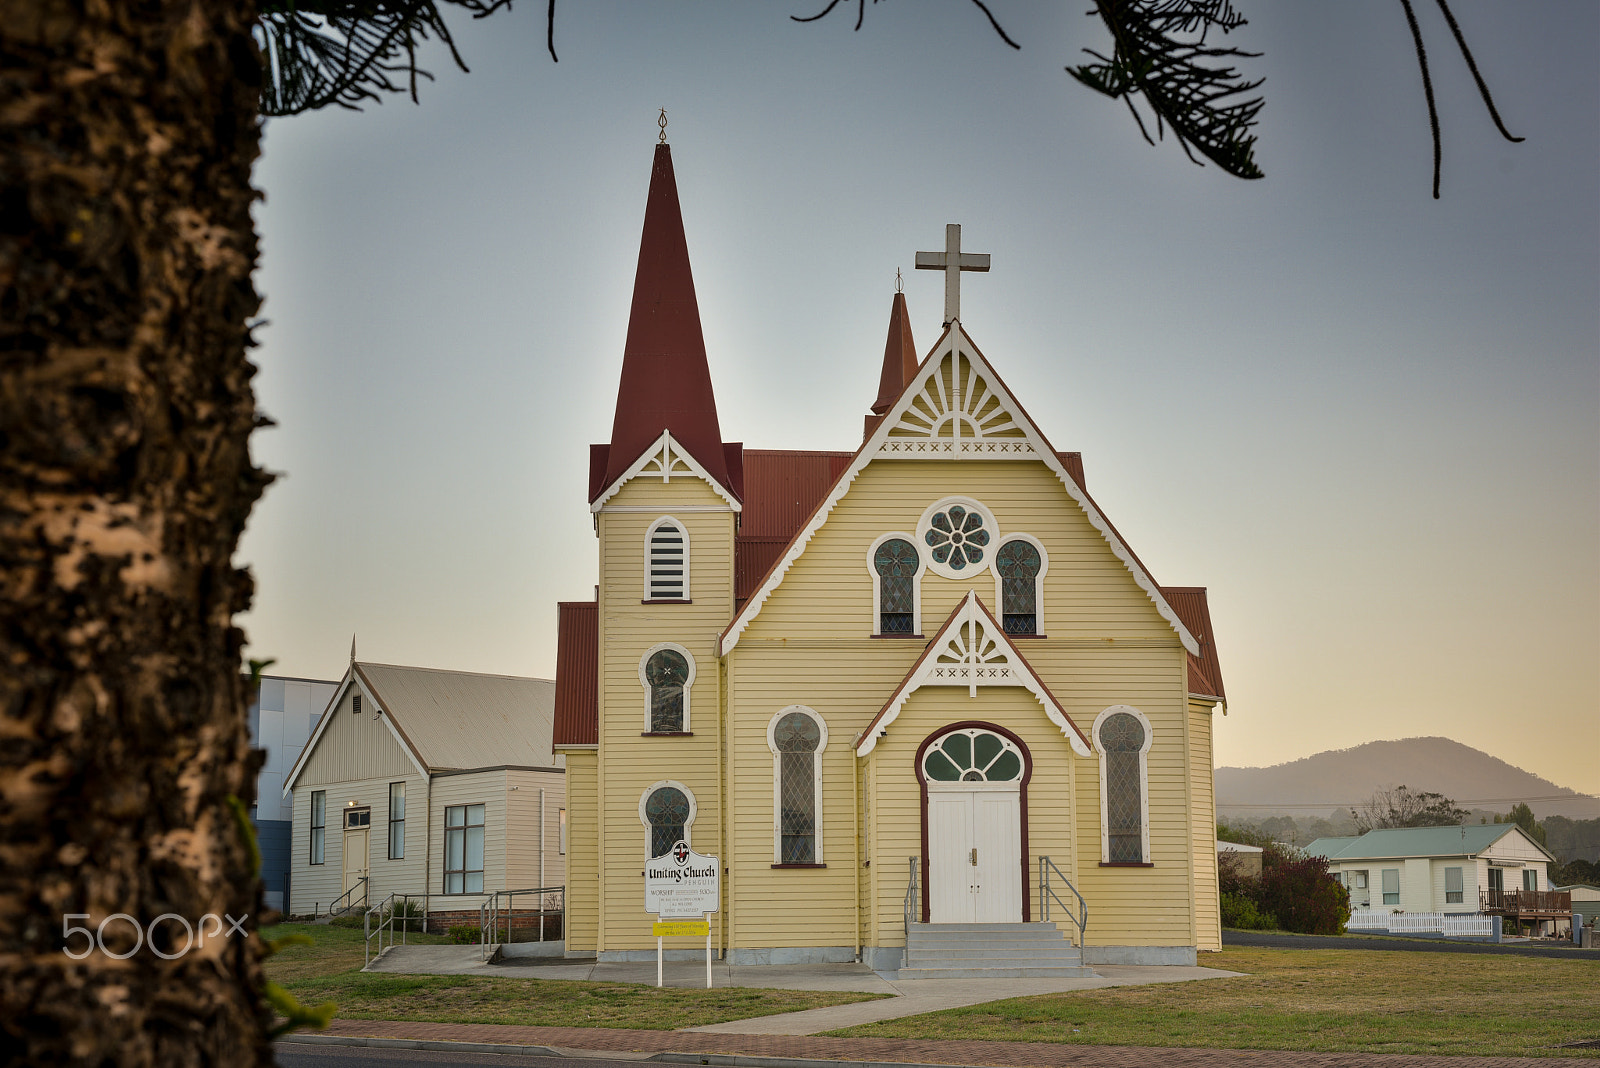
x=1530, y=879
x=1453, y=887
x=1124, y=738
x=397, y=821
x=1361, y=880
x=562, y=819
x=667, y=561
x=666, y=672
x=1018, y=566
x=319, y=824
x=1497, y=882
x=797, y=736
x=357, y=818
x=463, y=849
x=896, y=564
x=667, y=810
x=1391, y=886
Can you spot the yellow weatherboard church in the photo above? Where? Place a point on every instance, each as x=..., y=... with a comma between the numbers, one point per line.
x=921, y=698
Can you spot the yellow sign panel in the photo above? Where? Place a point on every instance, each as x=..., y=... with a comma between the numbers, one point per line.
x=683, y=927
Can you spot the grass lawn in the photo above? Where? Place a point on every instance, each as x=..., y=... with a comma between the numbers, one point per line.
x=1322, y=1000
x=330, y=970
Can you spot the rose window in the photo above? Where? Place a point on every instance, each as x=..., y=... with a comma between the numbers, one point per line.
x=957, y=537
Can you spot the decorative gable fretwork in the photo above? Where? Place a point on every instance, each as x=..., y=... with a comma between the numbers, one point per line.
x=971, y=650
x=957, y=412
x=664, y=460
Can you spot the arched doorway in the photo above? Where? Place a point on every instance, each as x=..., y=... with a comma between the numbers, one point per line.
x=974, y=824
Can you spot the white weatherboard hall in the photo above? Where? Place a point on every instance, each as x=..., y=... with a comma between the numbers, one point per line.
x=430, y=783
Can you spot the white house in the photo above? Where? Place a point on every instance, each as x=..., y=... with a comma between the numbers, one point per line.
x=1481, y=868
x=428, y=782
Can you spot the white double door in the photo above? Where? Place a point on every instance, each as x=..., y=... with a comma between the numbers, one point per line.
x=974, y=853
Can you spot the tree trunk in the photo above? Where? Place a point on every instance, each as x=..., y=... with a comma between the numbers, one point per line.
x=127, y=132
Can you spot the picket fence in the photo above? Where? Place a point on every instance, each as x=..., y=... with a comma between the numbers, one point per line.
x=1451, y=925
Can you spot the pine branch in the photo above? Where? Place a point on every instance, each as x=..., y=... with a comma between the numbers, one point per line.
x=1161, y=52
x=861, y=15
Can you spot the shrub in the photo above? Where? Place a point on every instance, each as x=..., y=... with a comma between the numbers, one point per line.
x=1240, y=913
x=464, y=934
x=1301, y=893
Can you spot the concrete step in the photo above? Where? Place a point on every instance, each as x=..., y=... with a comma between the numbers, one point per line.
x=1034, y=972
x=1063, y=952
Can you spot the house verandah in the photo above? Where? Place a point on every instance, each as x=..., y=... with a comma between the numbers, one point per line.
x=923, y=683
x=438, y=785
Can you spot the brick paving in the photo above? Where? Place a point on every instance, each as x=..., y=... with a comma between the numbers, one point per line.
x=915, y=1051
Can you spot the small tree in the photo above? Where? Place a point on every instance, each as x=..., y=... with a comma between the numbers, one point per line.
x=1522, y=816
x=1400, y=806
x=1300, y=891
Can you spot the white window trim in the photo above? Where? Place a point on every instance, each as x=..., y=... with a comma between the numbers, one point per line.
x=777, y=782
x=645, y=682
x=1038, y=582
x=688, y=824
x=1144, y=783
x=916, y=580
x=926, y=523
x=649, y=593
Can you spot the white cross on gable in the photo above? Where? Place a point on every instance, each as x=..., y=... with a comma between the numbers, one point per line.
x=952, y=261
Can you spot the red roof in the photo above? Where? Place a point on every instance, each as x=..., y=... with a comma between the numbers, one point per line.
x=666, y=382
x=781, y=490
x=899, y=357
x=577, y=714
x=1205, y=674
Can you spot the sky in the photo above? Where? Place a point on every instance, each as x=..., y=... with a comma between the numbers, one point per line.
x=1366, y=420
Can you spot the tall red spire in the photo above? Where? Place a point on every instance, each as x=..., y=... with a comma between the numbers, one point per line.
x=899, y=357
x=666, y=383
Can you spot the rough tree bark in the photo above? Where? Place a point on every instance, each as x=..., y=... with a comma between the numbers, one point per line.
x=127, y=132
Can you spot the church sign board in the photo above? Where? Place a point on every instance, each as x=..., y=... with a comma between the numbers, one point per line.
x=682, y=884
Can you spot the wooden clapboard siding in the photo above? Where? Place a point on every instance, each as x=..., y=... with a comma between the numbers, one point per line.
x=487, y=788
x=827, y=592
x=583, y=871
x=627, y=630
x=1207, y=913
x=318, y=885
x=355, y=746
x=523, y=829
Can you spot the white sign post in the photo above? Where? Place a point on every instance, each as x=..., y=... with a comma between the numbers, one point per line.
x=682, y=888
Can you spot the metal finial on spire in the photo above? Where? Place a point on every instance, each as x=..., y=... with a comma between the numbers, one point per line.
x=352, y=647
x=662, y=122
x=899, y=283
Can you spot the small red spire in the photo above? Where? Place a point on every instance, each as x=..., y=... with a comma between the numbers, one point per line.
x=666, y=382
x=899, y=357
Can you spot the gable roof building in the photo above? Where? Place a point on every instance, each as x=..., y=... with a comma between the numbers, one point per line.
x=898, y=687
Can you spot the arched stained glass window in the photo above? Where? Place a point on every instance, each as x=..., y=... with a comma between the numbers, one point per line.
x=972, y=755
x=667, y=812
x=896, y=563
x=666, y=673
x=1018, y=564
x=1122, y=742
x=796, y=739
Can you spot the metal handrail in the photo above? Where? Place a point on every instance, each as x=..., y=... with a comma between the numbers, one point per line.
x=912, y=897
x=337, y=909
x=491, y=910
x=387, y=910
x=1047, y=894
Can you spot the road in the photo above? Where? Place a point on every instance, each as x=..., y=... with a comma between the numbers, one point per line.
x=1419, y=945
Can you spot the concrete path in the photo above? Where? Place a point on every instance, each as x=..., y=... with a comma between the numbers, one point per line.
x=906, y=997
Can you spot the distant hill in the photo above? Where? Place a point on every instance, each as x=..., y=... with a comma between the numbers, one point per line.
x=1340, y=778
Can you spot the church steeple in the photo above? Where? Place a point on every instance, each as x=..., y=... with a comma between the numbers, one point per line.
x=899, y=363
x=899, y=357
x=666, y=383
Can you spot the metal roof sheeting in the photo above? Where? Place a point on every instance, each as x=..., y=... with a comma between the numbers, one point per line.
x=1393, y=843
x=1205, y=674
x=460, y=719
x=577, y=708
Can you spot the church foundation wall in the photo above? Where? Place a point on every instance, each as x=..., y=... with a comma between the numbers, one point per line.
x=1163, y=955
